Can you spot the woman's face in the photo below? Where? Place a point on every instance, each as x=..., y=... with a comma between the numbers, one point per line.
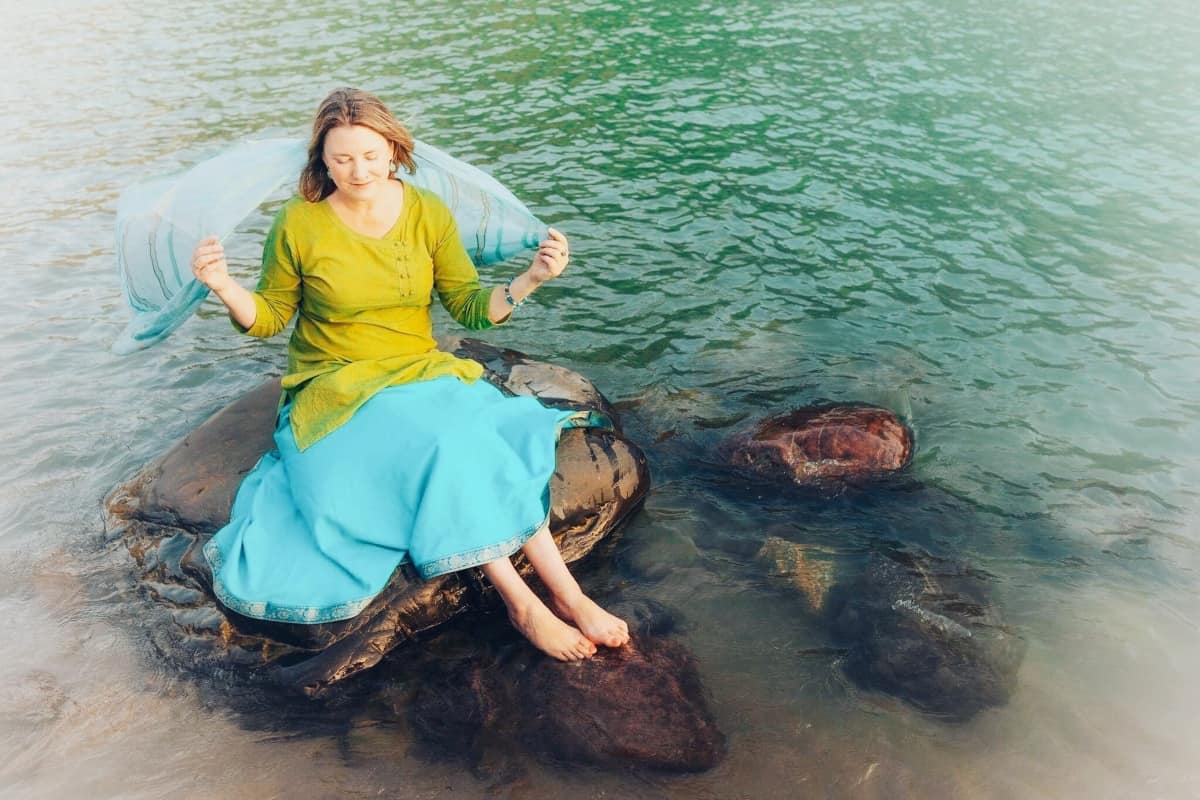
x=357, y=159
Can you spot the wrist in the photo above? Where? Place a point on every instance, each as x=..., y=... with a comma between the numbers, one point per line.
x=223, y=288
x=524, y=285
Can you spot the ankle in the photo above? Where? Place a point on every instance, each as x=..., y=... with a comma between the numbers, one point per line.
x=570, y=599
x=523, y=609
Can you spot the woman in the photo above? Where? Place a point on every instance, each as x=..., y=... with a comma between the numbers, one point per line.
x=387, y=448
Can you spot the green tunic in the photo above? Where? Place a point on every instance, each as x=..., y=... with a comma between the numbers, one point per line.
x=364, y=321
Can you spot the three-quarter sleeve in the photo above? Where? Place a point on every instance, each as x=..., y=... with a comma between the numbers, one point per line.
x=457, y=281
x=278, y=292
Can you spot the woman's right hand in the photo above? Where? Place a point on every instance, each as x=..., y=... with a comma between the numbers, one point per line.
x=208, y=264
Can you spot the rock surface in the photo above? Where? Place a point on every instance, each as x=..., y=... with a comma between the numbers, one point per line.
x=642, y=703
x=923, y=629
x=639, y=705
x=816, y=443
x=169, y=510
x=807, y=569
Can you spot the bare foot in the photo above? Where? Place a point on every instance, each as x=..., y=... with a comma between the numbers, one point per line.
x=597, y=624
x=550, y=634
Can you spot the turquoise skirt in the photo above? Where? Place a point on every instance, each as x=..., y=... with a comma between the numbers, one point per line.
x=446, y=474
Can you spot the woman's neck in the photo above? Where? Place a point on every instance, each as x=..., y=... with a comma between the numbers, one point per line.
x=382, y=204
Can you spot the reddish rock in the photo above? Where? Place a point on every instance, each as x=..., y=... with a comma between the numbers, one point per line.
x=640, y=704
x=819, y=442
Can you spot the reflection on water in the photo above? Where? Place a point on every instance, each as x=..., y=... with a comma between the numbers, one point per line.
x=981, y=217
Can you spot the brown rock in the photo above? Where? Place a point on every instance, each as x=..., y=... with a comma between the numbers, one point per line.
x=641, y=704
x=822, y=442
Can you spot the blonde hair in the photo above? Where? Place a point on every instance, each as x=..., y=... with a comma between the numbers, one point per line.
x=348, y=106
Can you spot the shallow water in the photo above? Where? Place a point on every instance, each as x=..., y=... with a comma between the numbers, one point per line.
x=984, y=217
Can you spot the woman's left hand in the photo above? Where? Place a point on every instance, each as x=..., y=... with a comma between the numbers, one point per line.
x=551, y=258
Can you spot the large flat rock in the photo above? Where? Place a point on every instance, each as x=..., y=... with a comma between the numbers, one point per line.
x=169, y=510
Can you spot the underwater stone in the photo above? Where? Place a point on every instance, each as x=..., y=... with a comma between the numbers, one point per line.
x=172, y=507
x=639, y=704
x=452, y=708
x=806, y=568
x=923, y=629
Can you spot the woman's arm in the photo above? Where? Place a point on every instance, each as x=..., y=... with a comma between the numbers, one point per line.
x=210, y=268
x=549, y=263
x=267, y=310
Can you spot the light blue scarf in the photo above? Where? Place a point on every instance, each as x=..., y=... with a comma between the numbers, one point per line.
x=160, y=222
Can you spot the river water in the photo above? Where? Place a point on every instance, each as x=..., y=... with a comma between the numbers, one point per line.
x=981, y=215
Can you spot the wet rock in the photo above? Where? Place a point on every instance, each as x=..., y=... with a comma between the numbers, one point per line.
x=641, y=704
x=518, y=374
x=167, y=512
x=451, y=710
x=924, y=630
x=817, y=443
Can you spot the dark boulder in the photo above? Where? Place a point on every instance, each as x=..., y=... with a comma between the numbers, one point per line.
x=923, y=629
x=167, y=512
x=640, y=704
x=453, y=708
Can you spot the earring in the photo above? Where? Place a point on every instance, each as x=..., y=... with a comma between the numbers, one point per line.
x=393, y=166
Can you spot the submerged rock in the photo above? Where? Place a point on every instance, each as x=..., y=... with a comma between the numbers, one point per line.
x=808, y=569
x=167, y=512
x=452, y=709
x=642, y=703
x=639, y=705
x=815, y=443
x=923, y=629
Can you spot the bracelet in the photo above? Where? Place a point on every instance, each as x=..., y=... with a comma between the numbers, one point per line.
x=508, y=295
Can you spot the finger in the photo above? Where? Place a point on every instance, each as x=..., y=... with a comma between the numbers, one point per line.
x=208, y=252
x=557, y=235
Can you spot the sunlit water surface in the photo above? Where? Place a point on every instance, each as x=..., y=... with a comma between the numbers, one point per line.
x=981, y=215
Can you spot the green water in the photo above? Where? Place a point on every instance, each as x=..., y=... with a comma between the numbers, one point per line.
x=983, y=216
